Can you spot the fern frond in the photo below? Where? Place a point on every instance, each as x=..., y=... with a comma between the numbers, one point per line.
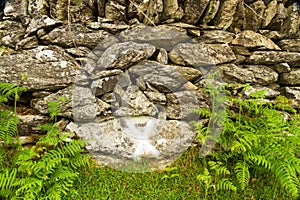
x=218, y=167
x=237, y=147
x=74, y=147
x=8, y=126
x=28, y=187
x=8, y=90
x=48, y=162
x=225, y=184
x=205, y=178
x=242, y=174
x=287, y=177
x=7, y=179
x=258, y=160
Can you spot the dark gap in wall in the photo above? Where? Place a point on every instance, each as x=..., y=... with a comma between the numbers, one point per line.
x=154, y=55
x=94, y=7
x=2, y=6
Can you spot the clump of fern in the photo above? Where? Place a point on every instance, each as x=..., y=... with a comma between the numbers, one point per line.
x=8, y=119
x=256, y=140
x=46, y=170
x=49, y=168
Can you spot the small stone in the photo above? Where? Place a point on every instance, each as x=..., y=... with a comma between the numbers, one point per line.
x=270, y=93
x=269, y=13
x=224, y=17
x=251, y=39
x=256, y=74
x=215, y=36
x=274, y=57
x=282, y=67
x=124, y=55
x=291, y=78
x=290, y=44
x=162, y=56
x=193, y=10
x=198, y=55
x=115, y=10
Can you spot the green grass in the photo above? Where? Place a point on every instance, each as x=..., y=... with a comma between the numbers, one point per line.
x=107, y=183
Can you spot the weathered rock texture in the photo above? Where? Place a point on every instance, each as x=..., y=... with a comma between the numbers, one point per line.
x=130, y=88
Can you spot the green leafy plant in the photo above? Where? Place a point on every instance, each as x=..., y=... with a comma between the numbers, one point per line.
x=214, y=176
x=46, y=170
x=8, y=119
x=256, y=140
x=54, y=107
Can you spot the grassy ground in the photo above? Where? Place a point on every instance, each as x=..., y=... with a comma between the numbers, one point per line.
x=180, y=183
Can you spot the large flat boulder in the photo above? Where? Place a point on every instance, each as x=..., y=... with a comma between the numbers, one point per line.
x=126, y=143
x=45, y=68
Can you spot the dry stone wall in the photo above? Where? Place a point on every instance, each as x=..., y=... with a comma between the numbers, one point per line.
x=141, y=65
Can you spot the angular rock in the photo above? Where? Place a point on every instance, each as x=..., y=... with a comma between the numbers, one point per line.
x=269, y=13
x=277, y=21
x=104, y=85
x=104, y=73
x=76, y=35
x=115, y=10
x=165, y=78
x=46, y=68
x=28, y=43
x=162, y=56
x=193, y=10
x=183, y=25
x=79, y=51
x=274, y=35
x=154, y=12
x=198, y=55
x=255, y=74
x=215, y=36
x=101, y=7
x=239, y=18
x=239, y=59
x=172, y=10
x=290, y=45
x=189, y=73
x=156, y=97
x=28, y=124
x=282, y=67
x=290, y=27
x=225, y=14
x=292, y=93
x=36, y=8
x=124, y=55
x=241, y=50
x=73, y=11
x=270, y=93
x=194, y=32
x=128, y=142
x=41, y=22
x=17, y=10
x=181, y=105
x=291, y=78
x=274, y=57
x=76, y=102
x=11, y=32
x=133, y=102
x=254, y=13
x=159, y=36
x=210, y=11
x=136, y=8
x=110, y=27
x=251, y=39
